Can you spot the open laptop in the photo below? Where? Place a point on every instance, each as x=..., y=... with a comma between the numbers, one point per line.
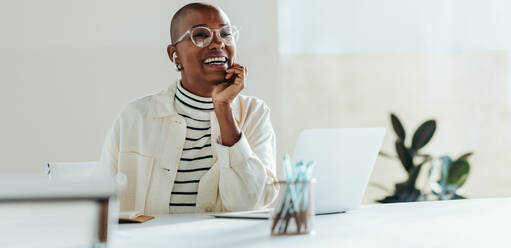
x=344, y=161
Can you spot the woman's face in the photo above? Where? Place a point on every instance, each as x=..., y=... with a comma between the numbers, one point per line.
x=193, y=58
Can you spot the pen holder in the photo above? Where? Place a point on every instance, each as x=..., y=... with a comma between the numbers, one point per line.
x=294, y=212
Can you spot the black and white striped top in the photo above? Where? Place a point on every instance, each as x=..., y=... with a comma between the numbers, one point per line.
x=197, y=157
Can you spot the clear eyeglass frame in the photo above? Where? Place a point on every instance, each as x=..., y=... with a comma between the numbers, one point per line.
x=201, y=42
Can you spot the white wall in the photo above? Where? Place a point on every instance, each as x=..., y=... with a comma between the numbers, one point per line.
x=358, y=26
x=355, y=61
x=67, y=68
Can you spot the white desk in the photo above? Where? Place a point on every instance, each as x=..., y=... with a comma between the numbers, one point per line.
x=460, y=223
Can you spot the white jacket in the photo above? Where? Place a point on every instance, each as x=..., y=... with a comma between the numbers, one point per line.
x=146, y=141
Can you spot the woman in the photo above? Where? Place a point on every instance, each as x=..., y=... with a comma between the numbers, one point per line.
x=198, y=146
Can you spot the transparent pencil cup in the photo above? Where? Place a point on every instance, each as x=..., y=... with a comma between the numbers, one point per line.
x=294, y=212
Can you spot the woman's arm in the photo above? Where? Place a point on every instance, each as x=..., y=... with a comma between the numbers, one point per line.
x=223, y=95
x=246, y=160
x=247, y=168
x=229, y=131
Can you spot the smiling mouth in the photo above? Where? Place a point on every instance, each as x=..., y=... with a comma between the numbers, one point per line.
x=215, y=61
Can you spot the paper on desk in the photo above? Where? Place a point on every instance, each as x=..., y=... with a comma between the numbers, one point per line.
x=130, y=214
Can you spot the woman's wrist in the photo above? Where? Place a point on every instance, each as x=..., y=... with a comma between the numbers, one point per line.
x=229, y=130
x=223, y=106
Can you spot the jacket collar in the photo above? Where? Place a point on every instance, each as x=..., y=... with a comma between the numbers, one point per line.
x=162, y=103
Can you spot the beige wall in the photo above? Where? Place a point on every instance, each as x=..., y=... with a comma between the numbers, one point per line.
x=467, y=93
x=67, y=68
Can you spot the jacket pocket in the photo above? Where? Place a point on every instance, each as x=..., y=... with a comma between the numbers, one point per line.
x=138, y=170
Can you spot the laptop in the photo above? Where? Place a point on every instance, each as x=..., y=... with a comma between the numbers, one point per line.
x=344, y=161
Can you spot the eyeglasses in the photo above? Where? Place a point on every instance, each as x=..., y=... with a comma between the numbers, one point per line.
x=202, y=36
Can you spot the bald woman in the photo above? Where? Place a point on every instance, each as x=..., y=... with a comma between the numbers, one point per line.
x=200, y=145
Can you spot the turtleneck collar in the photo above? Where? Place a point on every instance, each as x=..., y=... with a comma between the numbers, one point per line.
x=191, y=100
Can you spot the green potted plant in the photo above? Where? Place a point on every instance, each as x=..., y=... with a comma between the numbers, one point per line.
x=450, y=175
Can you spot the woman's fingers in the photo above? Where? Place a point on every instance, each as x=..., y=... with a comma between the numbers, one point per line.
x=235, y=81
x=238, y=71
x=234, y=66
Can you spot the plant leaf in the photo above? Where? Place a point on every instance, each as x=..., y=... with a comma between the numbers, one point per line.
x=423, y=134
x=465, y=156
x=459, y=197
x=389, y=199
x=444, y=170
x=404, y=156
x=387, y=155
x=398, y=127
x=458, y=173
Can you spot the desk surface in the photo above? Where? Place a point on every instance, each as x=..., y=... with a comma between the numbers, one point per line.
x=459, y=223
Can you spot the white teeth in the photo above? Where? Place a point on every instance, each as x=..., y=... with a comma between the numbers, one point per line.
x=215, y=59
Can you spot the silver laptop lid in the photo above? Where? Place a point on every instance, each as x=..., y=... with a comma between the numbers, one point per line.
x=344, y=161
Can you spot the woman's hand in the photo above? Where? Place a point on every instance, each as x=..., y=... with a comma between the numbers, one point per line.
x=225, y=92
